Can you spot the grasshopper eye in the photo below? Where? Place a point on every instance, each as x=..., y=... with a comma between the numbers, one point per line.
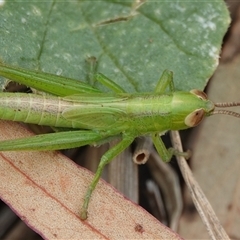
x=194, y=118
x=200, y=94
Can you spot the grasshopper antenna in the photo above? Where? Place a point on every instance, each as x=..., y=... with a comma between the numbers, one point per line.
x=227, y=112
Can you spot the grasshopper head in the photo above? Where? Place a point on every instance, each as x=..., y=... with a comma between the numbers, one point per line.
x=190, y=108
x=210, y=108
x=206, y=108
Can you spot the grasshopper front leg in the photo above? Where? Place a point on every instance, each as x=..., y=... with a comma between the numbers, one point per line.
x=105, y=159
x=166, y=80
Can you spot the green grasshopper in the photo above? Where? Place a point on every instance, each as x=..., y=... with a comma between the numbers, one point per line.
x=97, y=117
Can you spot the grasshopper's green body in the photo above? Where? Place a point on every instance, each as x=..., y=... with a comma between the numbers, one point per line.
x=139, y=114
x=97, y=117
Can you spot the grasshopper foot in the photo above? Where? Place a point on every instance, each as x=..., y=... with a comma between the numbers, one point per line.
x=175, y=152
x=83, y=213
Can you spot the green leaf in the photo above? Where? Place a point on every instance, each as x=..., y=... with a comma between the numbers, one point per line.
x=132, y=49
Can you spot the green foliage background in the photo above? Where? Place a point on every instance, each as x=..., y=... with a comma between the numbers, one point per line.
x=58, y=37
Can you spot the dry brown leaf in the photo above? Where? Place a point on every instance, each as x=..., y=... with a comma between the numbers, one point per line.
x=46, y=190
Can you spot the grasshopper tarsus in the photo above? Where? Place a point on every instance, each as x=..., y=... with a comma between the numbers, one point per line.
x=83, y=214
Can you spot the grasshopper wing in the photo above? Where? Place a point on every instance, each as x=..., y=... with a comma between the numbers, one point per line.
x=96, y=97
x=91, y=111
x=92, y=117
